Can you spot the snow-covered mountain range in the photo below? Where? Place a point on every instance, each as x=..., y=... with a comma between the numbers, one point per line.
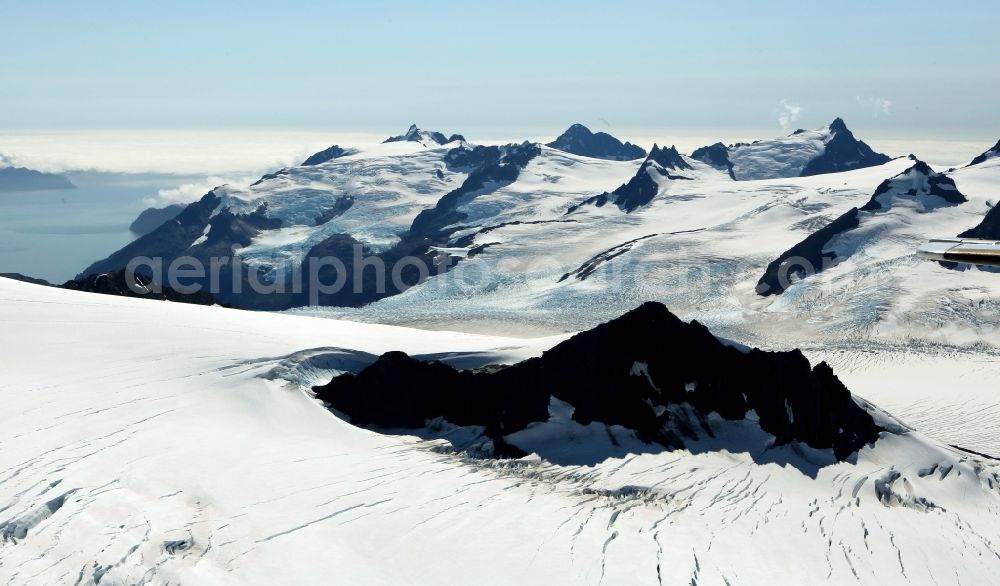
x=624, y=487
x=538, y=239
x=421, y=193
x=805, y=152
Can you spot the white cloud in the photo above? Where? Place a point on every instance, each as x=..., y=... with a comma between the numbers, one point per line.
x=877, y=106
x=187, y=152
x=190, y=192
x=788, y=114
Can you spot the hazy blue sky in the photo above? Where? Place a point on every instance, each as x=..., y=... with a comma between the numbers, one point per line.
x=922, y=68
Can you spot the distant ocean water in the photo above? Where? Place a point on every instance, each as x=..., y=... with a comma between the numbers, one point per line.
x=55, y=234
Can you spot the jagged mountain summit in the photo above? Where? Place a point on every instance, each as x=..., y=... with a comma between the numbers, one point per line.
x=803, y=153
x=990, y=154
x=24, y=179
x=579, y=140
x=655, y=174
x=918, y=190
x=425, y=137
x=843, y=152
x=716, y=155
x=646, y=371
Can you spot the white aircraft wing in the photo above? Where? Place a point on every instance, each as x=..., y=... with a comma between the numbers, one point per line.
x=964, y=250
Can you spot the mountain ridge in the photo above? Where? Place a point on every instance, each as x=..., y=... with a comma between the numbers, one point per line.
x=580, y=140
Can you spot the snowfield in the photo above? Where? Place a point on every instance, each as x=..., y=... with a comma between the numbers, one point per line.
x=148, y=442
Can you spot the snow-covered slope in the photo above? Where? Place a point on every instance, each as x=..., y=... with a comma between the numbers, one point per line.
x=802, y=153
x=369, y=197
x=188, y=457
x=419, y=194
x=902, y=203
x=990, y=154
x=658, y=171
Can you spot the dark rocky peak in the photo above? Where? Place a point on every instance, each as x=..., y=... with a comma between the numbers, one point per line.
x=644, y=185
x=993, y=152
x=414, y=134
x=640, y=371
x=270, y=176
x=988, y=229
x=920, y=183
x=716, y=155
x=838, y=125
x=808, y=257
x=579, y=140
x=325, y=155
x=466, y=158
x=843, y=153
x=227, y=228
x=668, y=158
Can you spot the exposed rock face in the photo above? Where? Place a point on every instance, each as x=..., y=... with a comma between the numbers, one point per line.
x=919, y=183
x=668, y=158
x=800, y=154
x=645, y=184
x=993, y=152
x=497, y=167
x=152, y=218
x=325, y=155
x=117, y=283
x=579, y=140
x=414, y=134
x=210, y=231
x=171, y=239
x=633, y=371
x=988, y=229
x=23, y=179
x=843, y=153
x=490, y=168
x=807, y=257
x=716, y=155
x=919, y=187
x=203, y=232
